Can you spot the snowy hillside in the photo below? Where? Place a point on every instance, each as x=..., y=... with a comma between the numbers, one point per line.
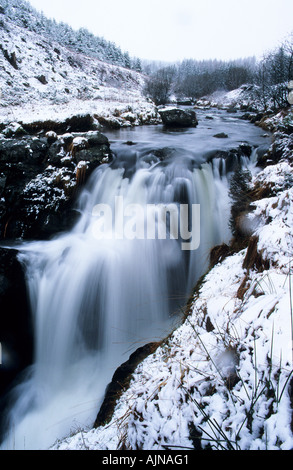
x=223, y=379
x=22, y=14
x=40, y=79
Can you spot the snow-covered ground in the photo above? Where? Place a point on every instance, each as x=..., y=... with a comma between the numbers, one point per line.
x=224, y=375
x=239, y=98
x=245, y=98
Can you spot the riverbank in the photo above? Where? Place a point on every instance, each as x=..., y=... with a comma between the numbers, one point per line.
x=111, y=110
x=223, y=379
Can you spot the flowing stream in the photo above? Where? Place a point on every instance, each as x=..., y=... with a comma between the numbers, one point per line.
x=95, y=299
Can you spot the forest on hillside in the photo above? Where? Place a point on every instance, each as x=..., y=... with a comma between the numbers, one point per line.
x=194, y=79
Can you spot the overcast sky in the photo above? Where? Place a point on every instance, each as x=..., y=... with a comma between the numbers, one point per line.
x=171, y=30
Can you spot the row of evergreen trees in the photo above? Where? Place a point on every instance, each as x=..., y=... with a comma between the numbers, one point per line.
x=24, y=15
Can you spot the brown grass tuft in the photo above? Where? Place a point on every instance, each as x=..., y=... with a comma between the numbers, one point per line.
x=218, y=254
x=80, y=175
x=253, y=258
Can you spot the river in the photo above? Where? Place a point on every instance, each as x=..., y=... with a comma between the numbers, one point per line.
x=114, y=283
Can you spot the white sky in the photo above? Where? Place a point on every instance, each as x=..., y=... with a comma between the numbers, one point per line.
x=171, y=30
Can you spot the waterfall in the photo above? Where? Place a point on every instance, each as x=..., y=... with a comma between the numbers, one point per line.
x=95, y=301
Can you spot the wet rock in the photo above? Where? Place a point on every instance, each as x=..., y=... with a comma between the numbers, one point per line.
x=231, y=157
x=176, y=117
x=67, y=139
x=14, y=129
x=221, y=135
x=245, y=116
x=16, y=336
x=262, y=155
x=96, y=138
x=38, y=149
x=164, y=153
x=51, y=137
x=56, y=152
x=79, y=143
x=120, y=380
x=40, y=179
x=93, y=156
x=110, y=122
x=76, y=123
x=12, y=151
x=92, y=147
x=22, y=150
x=129, y=142
x=245, y=149
x=3, y=180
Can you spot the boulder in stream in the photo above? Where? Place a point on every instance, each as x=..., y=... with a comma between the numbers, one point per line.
x=177, y=117
x=221, y=135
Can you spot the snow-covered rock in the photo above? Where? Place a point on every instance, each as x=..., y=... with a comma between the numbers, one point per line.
x=177, y=117
x=39, y=177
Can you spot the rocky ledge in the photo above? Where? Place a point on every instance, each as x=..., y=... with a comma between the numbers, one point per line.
x=40, y=176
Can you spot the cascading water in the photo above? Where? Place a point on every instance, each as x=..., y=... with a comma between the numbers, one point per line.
x=95, y=301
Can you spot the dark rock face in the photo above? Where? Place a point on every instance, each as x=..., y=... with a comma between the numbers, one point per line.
x=231, y=157
x=176, y=117
x=120, y=380
x=40, y=177
x=16, y=329
x=77, y=123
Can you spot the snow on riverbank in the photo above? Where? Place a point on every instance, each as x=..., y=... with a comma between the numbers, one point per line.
x=111, y=111
x=223, y=378
x=240, y=98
